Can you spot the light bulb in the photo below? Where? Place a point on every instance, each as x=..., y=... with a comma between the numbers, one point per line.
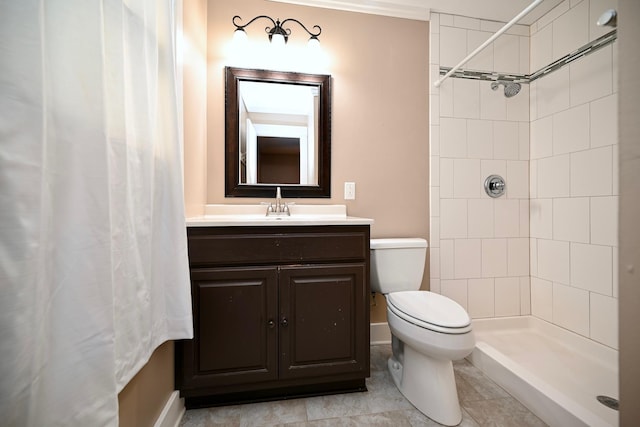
x=239, y=37
x=313, y=43
x=277, y=40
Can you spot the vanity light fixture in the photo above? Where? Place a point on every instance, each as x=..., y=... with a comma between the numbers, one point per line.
x=277, y=34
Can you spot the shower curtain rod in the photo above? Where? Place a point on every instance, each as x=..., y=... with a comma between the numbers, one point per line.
x=582, y=51
x=489, y=40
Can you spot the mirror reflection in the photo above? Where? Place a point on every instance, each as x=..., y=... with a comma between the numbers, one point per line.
x=277, y=133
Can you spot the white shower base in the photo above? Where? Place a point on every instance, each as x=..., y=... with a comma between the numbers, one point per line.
x=555, y=373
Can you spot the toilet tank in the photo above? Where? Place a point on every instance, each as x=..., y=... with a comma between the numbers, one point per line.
x=397, y=264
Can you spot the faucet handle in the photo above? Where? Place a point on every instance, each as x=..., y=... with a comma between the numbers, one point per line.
x=269, y=206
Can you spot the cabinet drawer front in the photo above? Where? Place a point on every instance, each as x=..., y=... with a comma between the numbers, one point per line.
x=243, y=248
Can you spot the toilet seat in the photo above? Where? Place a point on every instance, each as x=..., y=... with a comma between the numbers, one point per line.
x=431, y=311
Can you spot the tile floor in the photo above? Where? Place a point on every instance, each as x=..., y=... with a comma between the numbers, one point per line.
x=483, y=402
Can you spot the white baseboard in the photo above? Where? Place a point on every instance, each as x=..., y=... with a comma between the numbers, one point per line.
x=380, y=333
x=172, y=412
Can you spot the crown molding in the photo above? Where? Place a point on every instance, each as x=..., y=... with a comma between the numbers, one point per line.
x=420, y=10
x=408, y=9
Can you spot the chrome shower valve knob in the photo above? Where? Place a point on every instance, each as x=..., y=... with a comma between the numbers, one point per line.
x=494, y=186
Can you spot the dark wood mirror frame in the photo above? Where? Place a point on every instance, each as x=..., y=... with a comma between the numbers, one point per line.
x=232, y=138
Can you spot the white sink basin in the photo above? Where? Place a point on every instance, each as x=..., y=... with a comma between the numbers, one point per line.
x=230, y=215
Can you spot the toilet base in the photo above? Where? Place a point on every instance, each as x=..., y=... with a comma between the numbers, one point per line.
x=429, y=384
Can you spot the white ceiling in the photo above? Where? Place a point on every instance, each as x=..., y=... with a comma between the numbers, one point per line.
x=496, y=10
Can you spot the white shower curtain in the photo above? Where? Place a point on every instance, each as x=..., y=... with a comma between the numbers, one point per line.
x=93, y=260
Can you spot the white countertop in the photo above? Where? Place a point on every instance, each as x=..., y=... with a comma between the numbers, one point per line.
x=222, y=221
x=255, y=215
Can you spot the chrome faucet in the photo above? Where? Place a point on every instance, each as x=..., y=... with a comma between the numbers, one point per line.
x=280, y=207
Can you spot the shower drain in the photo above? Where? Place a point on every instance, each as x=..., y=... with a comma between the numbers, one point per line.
x=609, y=402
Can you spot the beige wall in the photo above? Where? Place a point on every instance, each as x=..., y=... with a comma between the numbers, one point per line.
x=629, y=107
x=379, y=67
x=194, y=67
x=141, y=401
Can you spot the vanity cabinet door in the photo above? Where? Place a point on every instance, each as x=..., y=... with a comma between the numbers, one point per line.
x=323, y=320
x=235, y=327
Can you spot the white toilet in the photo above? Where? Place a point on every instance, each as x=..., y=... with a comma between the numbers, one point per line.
x=429, y=330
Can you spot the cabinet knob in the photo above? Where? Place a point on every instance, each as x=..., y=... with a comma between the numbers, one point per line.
x=271, y=323
x=284, y=322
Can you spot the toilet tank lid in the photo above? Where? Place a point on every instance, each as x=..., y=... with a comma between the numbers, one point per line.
x=398, y=242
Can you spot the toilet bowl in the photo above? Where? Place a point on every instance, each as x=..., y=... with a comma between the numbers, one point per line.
x=429, y=330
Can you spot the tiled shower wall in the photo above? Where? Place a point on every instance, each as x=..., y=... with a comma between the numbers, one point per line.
x=479, y=246
x=574, y=186
x=549, y=247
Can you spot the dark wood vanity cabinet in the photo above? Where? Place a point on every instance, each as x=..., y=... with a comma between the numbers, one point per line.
x=278, y=312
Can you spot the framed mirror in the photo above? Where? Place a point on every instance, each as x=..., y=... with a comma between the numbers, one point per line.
x=277, y=133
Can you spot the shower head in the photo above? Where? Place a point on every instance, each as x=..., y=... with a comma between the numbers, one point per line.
x=511, y=89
